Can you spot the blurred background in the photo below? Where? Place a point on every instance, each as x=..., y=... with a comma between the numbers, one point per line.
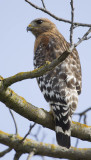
x=16, y=55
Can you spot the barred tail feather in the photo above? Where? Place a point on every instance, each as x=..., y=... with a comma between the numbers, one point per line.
x=62, y=124
x=63, y=139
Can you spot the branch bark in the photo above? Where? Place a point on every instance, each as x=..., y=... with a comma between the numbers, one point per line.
x=72, y=23
x=17, y=155
x=45, y=68
x=57, y=18
x=37, y=72
x=3, y=153
x=83, y=38
x=37, y=115
x=31, y=154
x=27, y=110
x=44, y=149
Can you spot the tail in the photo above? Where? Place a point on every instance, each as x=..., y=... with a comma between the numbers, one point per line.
x=62, y=124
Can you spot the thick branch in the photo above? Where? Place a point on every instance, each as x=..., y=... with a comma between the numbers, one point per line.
x=40, y=116
x=37, y=72
x=17, y=155
x=44, y=149
x=57, y=18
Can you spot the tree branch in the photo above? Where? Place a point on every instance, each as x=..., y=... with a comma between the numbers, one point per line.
x=43, y=4
x=16, y=129
x=83, y=38
x=5, y=152
x=37, y=72
x=46, y=67
x=31, y=154
x=17, y=155
x=72, y=21
x=37, y=115
x=57, y=18
x=83, y=112
x=44, y=149
x=87, y=38
x=35, y=135
x=30, y=128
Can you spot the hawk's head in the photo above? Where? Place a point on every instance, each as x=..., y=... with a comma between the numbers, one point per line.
x=40, y=25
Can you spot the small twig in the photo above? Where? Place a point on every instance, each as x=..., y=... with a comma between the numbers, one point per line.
x=37, y=133
x=17, y=155
x=85, y=119
x=87, y=38
x=57, y=18
x=43, y=137
x=80, y=117
x=16, y=129
x=77, y=141
x=5, y=152
x=31, y=154
x=83, y=112
x=72, y=25
x=43, y=4
x=83, y=38
x=30, y=128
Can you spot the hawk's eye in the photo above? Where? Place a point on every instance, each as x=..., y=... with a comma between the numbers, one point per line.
x=39, y=21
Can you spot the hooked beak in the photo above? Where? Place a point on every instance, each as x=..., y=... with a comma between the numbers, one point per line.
x=29, y=27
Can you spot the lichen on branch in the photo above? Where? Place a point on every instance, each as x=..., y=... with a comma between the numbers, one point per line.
x=48, y=66
x=38, y=115
x=44, y=149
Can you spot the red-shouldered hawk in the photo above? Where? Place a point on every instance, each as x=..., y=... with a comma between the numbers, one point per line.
x=62, y=85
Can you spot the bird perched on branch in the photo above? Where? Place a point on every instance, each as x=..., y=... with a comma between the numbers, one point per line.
x=62, y=85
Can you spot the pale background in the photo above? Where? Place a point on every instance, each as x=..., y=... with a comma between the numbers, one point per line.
x=16, y=55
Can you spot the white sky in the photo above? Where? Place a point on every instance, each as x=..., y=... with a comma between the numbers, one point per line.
x=16, y=55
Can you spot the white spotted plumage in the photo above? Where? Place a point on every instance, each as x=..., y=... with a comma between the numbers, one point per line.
x=62, y=85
